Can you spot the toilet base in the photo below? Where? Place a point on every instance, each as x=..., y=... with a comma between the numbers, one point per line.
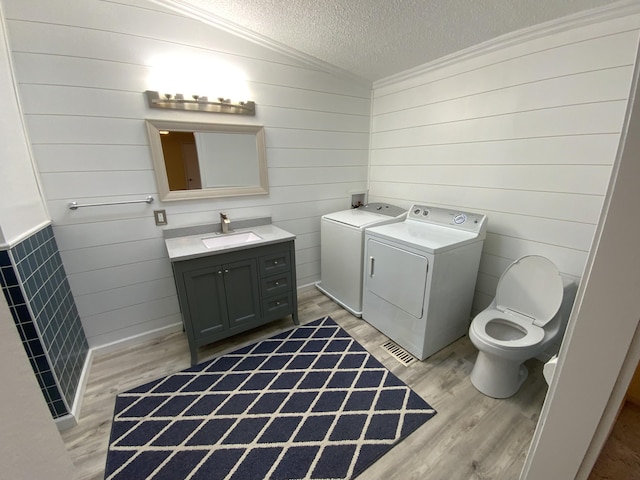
x=497, y=377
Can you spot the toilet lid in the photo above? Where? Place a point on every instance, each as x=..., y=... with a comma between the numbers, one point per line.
x=531, y=286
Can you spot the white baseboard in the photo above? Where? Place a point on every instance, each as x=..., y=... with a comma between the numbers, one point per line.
x=159, y=332
x=135, y=339
x=66, y=422
x=71, y=420
x=306, y=288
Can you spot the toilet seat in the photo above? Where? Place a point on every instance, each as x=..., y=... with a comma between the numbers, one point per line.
x=534, y=334
x=532, y=287
x=528, y=297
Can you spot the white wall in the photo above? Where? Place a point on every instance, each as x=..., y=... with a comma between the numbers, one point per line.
x=81, y=68
x=30, y=445
x=21, y=206
x=602, y=348
x=526, y=134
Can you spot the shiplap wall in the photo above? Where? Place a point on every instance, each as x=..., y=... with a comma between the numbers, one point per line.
x=526, y=134
x=81, y=67
x=22, y=210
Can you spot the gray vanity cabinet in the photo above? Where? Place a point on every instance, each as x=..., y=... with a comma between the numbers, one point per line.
x=222, y=297
x=228, y=293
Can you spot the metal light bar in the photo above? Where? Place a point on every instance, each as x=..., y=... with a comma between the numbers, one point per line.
x=199, y=104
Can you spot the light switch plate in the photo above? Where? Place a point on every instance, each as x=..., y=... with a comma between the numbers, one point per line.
x=160, y=216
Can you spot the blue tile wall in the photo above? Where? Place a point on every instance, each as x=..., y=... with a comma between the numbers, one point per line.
x=36, y=288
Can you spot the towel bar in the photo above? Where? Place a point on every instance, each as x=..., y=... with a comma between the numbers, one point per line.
x=76, y=205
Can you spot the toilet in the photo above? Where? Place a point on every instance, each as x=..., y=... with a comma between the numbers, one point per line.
x=519, y=324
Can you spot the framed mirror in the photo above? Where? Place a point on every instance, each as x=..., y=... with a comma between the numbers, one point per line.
x=208, y=160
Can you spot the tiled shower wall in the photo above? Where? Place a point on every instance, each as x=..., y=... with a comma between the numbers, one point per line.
x=36, y=288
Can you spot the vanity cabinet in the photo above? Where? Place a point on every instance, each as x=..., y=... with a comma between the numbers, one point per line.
x=224, y=294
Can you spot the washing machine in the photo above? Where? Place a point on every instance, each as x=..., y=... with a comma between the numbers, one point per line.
x=420, y=277
x=341, y=250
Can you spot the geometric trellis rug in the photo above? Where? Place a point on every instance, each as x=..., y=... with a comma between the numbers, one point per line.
x=308, y=403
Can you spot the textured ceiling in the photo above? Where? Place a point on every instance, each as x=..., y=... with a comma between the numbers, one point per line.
x=374, y=39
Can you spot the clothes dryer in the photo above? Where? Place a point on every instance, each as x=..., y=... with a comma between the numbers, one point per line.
x=420, y=276
x=341, y=250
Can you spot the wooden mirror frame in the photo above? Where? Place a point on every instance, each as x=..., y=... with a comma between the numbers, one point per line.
x=155, y=126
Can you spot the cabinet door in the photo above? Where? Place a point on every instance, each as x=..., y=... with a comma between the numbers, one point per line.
x=241, y=287
x=206, y=301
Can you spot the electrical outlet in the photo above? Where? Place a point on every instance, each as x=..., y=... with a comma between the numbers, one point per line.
x=160, y=216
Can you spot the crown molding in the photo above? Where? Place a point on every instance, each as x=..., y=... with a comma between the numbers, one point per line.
x=205, y=16
x=581, y=19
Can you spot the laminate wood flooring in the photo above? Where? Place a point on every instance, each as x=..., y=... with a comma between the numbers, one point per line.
x=620, y=457
x=471, y=437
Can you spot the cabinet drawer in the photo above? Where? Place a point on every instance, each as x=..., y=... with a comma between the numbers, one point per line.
x=275, y=263
x=276, y=284
x=276, y=307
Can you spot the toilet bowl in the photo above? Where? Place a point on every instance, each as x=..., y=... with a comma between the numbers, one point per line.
x=519, y=324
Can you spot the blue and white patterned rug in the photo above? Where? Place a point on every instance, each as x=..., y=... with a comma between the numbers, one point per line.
x=309, y=403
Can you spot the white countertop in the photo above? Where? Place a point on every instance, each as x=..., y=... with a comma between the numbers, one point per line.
x=188, y=247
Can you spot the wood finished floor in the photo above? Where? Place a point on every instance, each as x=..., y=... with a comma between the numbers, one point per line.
x=620, y=457
x=471, y=437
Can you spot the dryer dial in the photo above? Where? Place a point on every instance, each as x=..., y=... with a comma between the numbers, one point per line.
x=459, y=218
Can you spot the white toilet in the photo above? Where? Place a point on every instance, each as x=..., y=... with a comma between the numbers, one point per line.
x=519, y=324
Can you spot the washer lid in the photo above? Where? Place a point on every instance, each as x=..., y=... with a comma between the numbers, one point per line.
x=358, y=217
x=531, y=286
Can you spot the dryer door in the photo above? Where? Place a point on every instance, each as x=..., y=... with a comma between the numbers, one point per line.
x=396, y=275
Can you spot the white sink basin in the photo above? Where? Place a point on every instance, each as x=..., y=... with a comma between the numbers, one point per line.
x=228, y=239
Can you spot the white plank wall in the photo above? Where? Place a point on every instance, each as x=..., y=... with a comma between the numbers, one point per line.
x=526, y=134
x=81, y=68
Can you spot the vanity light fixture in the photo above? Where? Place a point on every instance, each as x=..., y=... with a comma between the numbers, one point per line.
x=199, y=103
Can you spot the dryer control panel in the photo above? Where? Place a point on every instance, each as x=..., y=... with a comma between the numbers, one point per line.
x=468, y=221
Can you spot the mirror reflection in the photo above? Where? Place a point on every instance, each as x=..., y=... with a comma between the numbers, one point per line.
x=195, y=160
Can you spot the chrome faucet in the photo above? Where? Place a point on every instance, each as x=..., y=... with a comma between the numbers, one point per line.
x=224, y=222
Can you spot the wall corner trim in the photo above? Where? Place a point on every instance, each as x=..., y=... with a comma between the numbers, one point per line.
x=610, y=12
x=12, y=242
x=182, y=8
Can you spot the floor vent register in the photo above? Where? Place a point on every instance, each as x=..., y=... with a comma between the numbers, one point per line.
x=399, y=353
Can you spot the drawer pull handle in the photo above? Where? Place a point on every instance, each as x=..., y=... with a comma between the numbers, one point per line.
x=226, y=270
x=277, y=303
x=275, y=262
x=219, y=272
x=277, y=284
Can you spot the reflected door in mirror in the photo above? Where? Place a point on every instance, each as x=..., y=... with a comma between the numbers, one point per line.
x=181, y=160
